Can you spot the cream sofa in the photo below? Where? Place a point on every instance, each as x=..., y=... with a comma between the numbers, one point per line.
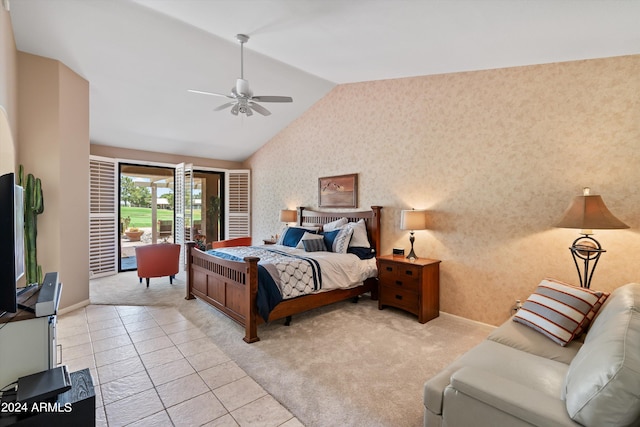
x=519, y=377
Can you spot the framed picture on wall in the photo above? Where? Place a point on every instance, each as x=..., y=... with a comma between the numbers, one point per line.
x=338, y=191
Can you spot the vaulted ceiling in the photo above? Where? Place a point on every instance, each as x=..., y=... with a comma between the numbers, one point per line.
x=141, y=56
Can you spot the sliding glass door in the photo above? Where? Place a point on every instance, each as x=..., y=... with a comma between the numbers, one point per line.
x=146, y=209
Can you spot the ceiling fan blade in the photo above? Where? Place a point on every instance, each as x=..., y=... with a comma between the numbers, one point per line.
x=208, y=93
x=235, y=109
x=272, y=98
x=259, y=109
x=223, y=106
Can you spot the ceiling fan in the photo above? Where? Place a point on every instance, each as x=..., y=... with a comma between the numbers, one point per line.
x=244, y=102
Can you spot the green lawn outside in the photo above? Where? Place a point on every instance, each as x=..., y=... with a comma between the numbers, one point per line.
x=141, y=217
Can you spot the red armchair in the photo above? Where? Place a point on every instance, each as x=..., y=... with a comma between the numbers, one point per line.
x=159, y=260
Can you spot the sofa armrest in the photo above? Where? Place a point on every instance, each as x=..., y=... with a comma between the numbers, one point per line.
x=511, y=397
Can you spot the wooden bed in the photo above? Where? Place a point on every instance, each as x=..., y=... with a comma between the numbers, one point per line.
x=231, y=286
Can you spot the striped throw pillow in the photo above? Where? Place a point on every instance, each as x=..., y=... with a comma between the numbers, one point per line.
x=558, y=310
x=592, y=313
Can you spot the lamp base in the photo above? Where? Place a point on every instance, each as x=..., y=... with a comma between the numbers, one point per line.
x=412, y=255
x=588, y=250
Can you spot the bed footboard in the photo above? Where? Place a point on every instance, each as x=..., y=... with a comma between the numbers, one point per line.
x=229, y=286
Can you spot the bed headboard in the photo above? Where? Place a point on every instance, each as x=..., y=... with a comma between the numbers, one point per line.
x=309, y=217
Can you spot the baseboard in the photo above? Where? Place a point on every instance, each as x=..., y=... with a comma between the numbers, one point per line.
x=74, y=307
x=464, y=319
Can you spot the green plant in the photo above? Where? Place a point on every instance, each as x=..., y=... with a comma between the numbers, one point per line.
x=33, y=206
x=125, y=223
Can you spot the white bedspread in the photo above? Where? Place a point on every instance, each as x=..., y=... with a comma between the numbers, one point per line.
x=338, y=270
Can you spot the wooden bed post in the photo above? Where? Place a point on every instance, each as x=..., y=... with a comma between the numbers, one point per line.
x=251, y=291
x=300, y=209
x=188, y=247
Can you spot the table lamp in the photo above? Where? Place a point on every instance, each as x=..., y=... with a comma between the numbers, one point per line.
x=413, y=220
x=288, y=215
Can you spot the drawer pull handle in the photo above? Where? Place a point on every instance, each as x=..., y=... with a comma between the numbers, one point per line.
x=399, y=282
x=399, y=297
x=389, y=268
x=409, y=273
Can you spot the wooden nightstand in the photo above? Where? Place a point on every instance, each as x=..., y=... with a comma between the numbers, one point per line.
x=413, y=286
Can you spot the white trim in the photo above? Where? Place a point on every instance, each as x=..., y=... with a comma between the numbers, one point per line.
x=74, y=307
x=464, y=319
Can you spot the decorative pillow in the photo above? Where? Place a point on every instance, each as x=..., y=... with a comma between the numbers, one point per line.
x=359, y=237
x=557, y=310
x=314, y=245
x=334, y=225
x=592, y=313
x=338, y=240
x=308, y=236
x=291, y=236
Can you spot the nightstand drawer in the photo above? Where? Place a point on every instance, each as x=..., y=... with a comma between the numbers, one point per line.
x=401, y=281
x=404, y=276
x=400, y=298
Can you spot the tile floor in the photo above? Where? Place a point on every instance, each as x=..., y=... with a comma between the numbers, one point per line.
x=152, y=367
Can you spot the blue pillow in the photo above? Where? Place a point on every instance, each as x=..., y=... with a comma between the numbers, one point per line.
x=292, y=236
x=338, y=240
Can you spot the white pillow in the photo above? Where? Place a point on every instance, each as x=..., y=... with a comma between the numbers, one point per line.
x=359, y=237
x=333, y=225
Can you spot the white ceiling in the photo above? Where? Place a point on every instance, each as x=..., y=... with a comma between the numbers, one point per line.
x=141, y=56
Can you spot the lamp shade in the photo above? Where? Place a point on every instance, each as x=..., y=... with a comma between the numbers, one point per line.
x=288, y=215
x=588, y=212
x=413, y=220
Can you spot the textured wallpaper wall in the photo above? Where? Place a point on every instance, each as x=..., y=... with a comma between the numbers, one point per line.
x=495, y=156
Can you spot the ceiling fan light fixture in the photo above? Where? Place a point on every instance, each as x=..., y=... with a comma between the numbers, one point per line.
x=242, y=88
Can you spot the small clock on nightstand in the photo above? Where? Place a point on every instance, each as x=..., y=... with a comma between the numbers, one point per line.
x=413, y=286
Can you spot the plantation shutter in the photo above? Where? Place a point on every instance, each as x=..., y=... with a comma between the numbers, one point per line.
x=238, y=206
x=182, y=204
x=103, y=226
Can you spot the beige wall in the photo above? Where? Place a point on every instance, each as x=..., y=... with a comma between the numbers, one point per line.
x=149, y=156
x=53, y=122
x=8, y=95
x=495, y=156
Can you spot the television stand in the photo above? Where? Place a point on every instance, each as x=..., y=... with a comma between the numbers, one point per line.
x=26, y=308
x=20, y=356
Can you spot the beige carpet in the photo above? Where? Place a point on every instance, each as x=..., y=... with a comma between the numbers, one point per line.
x=342, y=365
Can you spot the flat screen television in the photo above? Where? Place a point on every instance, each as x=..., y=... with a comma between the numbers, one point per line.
x=11, y=242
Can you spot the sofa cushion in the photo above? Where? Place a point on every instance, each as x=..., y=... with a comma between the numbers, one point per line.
x=538, y=373
x=557, y=310
x=602, y=386
x=523, y=338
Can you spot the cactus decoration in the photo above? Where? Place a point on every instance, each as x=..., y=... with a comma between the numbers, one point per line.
x=33, y=206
